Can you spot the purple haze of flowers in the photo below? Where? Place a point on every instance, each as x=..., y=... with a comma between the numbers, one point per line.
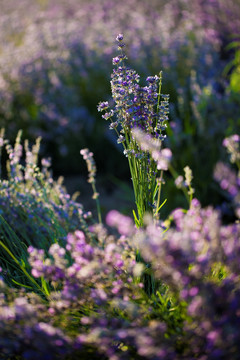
x=227, y=178
x=123, y=223
x=186, y=257
x=31, y=336
x=95, y=291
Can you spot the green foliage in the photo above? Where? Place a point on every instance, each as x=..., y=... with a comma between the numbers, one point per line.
x=233, y=68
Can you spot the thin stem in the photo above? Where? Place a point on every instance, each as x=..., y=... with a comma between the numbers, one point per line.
x=22, y=268
x=98, y=203
x=159, y=91
x=159, y=196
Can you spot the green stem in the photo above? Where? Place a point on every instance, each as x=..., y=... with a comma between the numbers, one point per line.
x=98, y=203
x=157, y=215
x=22, y=268
x=159, y=91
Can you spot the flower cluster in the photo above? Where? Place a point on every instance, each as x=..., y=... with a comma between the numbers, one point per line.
x=81, y=278
x=88, y=157
x=232, y=145
x=25, y=330
x=135, y=106
x=226, y=178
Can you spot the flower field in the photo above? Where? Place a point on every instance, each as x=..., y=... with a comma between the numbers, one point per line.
x=144, y=96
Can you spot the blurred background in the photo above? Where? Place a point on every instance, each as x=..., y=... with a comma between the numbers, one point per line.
x=56, y=64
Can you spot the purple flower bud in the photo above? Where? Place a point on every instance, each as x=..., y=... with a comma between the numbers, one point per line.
x=103, y=105
x=119, y=37
x=116, y=60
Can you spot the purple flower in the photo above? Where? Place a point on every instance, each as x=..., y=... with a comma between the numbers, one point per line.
x=123, y=223
x=116, y=60
x=119, y=37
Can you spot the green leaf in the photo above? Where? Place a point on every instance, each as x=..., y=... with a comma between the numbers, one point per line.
x=232, y=45
x=21, y=267
x=22, y=285
x=235, y=80
x=137, y=222
x=161, y=205
x=45, y=286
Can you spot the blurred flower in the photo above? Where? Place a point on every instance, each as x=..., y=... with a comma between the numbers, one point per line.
x=232, y=145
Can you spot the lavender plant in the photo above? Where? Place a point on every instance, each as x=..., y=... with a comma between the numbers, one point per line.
x=34, y=209
x=97, y=307
x=198, y=260
x=94, y=303
x=141, y=115
x=97, y=304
